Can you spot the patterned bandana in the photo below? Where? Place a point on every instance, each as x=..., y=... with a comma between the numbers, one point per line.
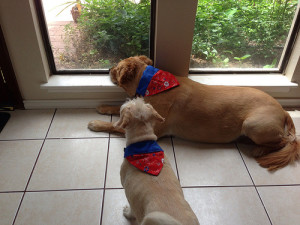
x=155, y=81
x=147, y=156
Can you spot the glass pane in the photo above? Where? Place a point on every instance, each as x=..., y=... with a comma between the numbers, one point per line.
x=241, y=34
x=96, y=34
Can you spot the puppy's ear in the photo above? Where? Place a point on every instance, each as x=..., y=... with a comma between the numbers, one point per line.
x=158, y=117
x=146, y=60
x=155, y=114
x=124, y=119
x=128, y=72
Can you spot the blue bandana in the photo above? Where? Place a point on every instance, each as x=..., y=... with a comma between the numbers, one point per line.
x=147, y=156
x=142, y=147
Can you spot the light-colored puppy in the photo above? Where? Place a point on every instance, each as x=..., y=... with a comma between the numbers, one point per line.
x=212, y=114
x=154, y=200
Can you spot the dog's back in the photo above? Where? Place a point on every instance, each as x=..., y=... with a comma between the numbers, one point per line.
x=159, y=218
x=148, y=194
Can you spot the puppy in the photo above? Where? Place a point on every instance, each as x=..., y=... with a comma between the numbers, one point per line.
x=152, y=189
x=209, y=113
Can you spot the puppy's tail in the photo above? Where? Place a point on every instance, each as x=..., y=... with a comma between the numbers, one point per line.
x=288, y=154
x=159, y=218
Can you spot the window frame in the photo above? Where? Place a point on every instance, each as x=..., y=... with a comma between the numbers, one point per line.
x=47, y=43
x=172, y=53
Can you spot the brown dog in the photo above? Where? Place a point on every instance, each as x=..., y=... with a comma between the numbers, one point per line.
x=212, y=114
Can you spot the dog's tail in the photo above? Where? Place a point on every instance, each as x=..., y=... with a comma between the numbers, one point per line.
x=288, y=154
x=159, y=218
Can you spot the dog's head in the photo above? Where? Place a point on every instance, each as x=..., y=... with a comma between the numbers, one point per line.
x=125, y=73
x=136, y=111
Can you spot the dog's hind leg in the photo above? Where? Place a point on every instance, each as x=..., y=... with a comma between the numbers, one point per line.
x=159, y=218
x=275, y=136
x=128, y=213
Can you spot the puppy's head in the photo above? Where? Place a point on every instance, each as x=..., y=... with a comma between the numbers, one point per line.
x=127, y=69
x=136, y=111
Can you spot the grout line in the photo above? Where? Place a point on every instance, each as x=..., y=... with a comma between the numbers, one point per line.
x=278, y=185
x=31, y=139
x=236, y=145
x=9, y=192
x=55, y=190
x=103, y=196
x=33, y=168
x=223, y=186
x=71, y=138
x=172, y=142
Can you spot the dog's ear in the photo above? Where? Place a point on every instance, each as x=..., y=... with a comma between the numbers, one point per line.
x=128, y=72
x=146, y=60
x=113, y=74
x=124, y=118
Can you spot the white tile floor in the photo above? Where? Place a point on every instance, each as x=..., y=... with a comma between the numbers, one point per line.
x=53, y=170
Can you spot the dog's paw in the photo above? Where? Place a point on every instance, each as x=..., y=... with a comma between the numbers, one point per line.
x=98, y=125
x=108, y=109
x=127, y=213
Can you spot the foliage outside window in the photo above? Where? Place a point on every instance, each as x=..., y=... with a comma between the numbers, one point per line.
x=103, y=33
x=241, y=34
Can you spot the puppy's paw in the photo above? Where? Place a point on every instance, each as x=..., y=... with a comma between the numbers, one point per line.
x=127, y=213
x=98, y=125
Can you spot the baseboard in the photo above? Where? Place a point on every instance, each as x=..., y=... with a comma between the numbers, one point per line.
x=50, y=104
x=290, y=102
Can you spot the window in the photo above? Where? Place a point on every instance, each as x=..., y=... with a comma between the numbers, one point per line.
x=89, y=36
x=239, y=35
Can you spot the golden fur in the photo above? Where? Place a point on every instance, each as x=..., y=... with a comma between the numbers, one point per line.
x=154, y=200
x=213, y=114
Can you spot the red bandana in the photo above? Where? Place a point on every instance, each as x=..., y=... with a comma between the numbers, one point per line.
x=150, y=162
x=147, y=156
x=155, y=81
x=160, y=82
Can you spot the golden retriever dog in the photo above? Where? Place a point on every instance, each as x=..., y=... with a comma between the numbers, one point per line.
x=212, y=114
x=154, y=199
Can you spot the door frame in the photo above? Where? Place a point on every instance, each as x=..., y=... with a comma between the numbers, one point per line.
x=8, y=77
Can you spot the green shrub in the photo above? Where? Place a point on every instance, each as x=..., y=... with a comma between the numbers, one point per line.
x=225, y=32
x=234, y=28
x=118, y=28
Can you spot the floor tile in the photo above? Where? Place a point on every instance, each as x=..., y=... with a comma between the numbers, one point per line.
x=72, y=123
x=9, y=203
x=17, y=159
x=70, y=164
x=61, y=207
x=226, y=206
x=116, y=156
x=261, y=176
x=115, y=159
x=114, y=202
x=209, y=164
x=27, y=124
x=282, y=204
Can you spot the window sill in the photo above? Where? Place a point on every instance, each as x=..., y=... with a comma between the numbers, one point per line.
x=93, y=83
